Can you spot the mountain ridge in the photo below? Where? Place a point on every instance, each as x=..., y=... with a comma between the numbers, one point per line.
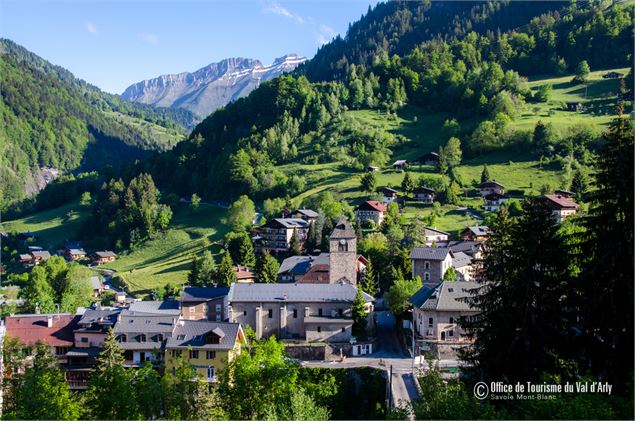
x=210, y=87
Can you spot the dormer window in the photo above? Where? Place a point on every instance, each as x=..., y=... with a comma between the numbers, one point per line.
x=159, y=337
x=141, y=338
x=122, y=338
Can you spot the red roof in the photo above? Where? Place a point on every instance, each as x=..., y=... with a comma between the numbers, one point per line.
x=33, y=328
x=373, y=205
x=318, y=274
x=559, y=201
x=243, y=272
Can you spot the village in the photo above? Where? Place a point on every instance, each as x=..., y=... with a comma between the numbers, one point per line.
x=311, y=308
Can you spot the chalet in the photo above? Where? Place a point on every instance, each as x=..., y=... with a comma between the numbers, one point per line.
x=476, y=233
x=462, y=264
x=430, y=263
x=612, y=75
x=424, y=195
x=435, y=236
x=564, y=193
x=372, y=168
x=40, y=256
x=400, y=164
x=309, y=312
x=390, y=194
x=101, y=257
x=371, y=210
x=561, y=206
x=97, y=285
x=75, y=254
x=244, y=274
x=491, y=186
x=474, y=249
x=277, y=234
x=26, y=259
x=493, y=201
x=438, y=310
x=306, y=214
x=207, y=346
x=574, y=106
x=142, y=335
x=431, y=158
x=198, y=303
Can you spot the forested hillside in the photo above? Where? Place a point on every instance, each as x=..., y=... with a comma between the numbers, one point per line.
x=52, y=119
x=472, y=68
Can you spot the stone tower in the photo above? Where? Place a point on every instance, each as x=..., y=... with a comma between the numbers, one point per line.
x=343, y=253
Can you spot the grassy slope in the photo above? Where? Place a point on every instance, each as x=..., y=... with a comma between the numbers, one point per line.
x=165, y=138
x=166, y=259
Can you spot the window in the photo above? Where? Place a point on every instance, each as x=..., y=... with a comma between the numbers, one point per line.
x=210, y=355
x=319, y=329
x=430, y=321
x=245, y=313
x=211, y=374
x=451, y=333
x=122, y=338
x=270, y=313
x=426, y=276
x=193, y=354
x=218, y=308
x=84, y=340
x=141, y=338
x=319, y=312
x=180, y=337
x=217, y=317
x=343, y=329
x=426, y=265
x=451, y=320
x=205, y=308
x=295, y=313
x=159, y=337
x=340, y=312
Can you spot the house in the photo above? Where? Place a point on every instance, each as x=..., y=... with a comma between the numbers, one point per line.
x=276, y=234
x=26, y=259
x=430, y=263
x=400, y=164
x=493, y=201
x=142, y=335
x=390, y=195
x=431, y=158
x=474, y=249
x=306, y=214
x=564, y=193
x=97, y=285
x=75, y=254
x=489, y=187
x=244, y=274
x=476, y=233
x=561, y=206
x=612, y=75
x=102, y=257
x=199, y=303
x=371, y=210
x=372, y=168
x=462, y=264
x=435, y=236
x=54, y=330
x=423, y=195
x=309, y=312
x=574, y=106
x=40, y=256
x=438, y=310
x=208, y=346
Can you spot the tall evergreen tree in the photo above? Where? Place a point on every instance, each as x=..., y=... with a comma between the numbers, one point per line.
x=359, y=312
x=226, y=274
x=294, y=247
x=485, y=174
x=522, y=331
x=408, y=183
x=267, y=269
x=370, y=285
x=607, y=306
x=247, y=255
x=579, y=185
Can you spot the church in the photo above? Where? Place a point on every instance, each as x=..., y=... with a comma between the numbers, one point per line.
x=341, y=265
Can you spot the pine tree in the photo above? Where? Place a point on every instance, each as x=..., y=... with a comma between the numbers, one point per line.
x=408, y=184
x=359, y=313
x=226, y=274
x=579, y=185
x=368, y=182
x=358, y=230
x=311, y=242
x=194, y=275
x=485, y=174
x=267, y=269
x=452, y=193
x=247, y=255
x=607, y=306
x=370, y=285
x=294, y=246
x=205, y=403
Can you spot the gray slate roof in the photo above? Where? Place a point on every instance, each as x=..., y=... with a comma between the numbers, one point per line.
x=467, y=247
x=301, y=264
x=480, y=230
x=422, y=295
x=450, y=296
x=287, y=223
x=135, y=323
x=95, y=282
x=429, y=253
x=98, y=320
x=343, y=229
x=161, y=308
x=461, y=260
x=309, y=213
x=42, y=254
x=197, y=294
x=241, y=292
x=193, y=332
x=433, y=231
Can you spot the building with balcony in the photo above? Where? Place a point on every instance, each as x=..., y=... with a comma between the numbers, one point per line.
x=277, y=234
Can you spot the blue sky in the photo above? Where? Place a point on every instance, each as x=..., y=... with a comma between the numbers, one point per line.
x=113, y=44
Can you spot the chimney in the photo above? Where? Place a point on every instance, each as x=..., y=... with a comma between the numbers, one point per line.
x=98, y=305
x=49, y=321
x=181, y=322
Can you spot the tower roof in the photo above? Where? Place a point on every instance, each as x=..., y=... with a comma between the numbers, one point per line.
x=343, y=229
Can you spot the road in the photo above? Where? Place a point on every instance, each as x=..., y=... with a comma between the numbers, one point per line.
x=388, y=356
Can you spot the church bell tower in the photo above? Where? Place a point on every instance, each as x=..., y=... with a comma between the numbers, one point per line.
x=343, y=253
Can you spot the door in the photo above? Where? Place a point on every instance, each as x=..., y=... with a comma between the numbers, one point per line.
x=443, y=336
